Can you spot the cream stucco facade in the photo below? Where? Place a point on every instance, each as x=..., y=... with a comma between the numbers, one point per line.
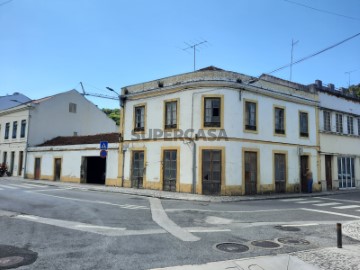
x=235, y=155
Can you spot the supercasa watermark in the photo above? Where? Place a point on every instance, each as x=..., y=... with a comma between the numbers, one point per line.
x=156, y=134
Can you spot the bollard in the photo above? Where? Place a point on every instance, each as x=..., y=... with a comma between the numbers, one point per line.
x=339, y=235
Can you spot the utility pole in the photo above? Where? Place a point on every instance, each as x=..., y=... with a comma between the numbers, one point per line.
x=292, y=56
x=193, y=46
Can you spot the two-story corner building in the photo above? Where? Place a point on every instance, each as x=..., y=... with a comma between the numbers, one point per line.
x=339, y=129
x=34, y=122
x=219, y=132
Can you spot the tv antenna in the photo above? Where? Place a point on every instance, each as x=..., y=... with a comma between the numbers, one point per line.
x=193, y=46
x=292, y=56
x=349, y=73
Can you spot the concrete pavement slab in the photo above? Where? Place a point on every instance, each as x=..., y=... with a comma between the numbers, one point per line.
x=280, y=262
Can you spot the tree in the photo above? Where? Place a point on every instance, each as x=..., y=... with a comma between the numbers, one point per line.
x=355, y=89
x=114, y=114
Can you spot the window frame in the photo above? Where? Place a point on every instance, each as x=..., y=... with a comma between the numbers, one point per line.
x=23, y=129
x=245, y=113
x=14, y=130
x=339, y=124
x=7, y=131
x=72, y=107
x=301, y=133
x=327, y=120
x=171, y=126
x=350, y=124
x=204, y=124
x=277, y=132
x=140, y=129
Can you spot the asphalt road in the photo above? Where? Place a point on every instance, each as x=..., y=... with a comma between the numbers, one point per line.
x=79, y=229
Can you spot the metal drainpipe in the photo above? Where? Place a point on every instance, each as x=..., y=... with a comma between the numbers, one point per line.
x=194, y=168
x=122, y=107
x=27, y=143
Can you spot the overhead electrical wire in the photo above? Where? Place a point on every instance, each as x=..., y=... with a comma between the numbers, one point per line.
x=314, y=54
x=6, y=2
x=323, y=11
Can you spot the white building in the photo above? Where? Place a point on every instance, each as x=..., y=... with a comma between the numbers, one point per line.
x=76, y=159
x=34, y=122
x=219, y=132
x=339, y=126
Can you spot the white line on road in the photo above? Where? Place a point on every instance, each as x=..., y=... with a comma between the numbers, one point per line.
x=300, y=225
x=330, y=213
x=7, y=186
x=1, y=189
x=339, y=200
x=327, y=204
x=292, y=200
x=20, y=186
x=32, y=185
x=160, y=217
x=346, y=207
x=125, y=206
x=309, y=202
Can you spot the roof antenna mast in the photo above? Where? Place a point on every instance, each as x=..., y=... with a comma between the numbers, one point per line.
x=193, y=46
x=292, y=56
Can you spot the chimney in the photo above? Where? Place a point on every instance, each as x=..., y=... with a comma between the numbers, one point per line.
x=318, y=83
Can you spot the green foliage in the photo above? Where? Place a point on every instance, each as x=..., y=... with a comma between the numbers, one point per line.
x=114, y=114
x=355, y=89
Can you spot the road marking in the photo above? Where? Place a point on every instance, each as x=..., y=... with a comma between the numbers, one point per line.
x=124, y=206
x=309, y=202
x=1, y=189
x=32, y=185
x=7, y=186
x=301, y=225
x=292, y=200
x=339, y=200
x=347, y=207
x=330, y=213
x=20, y=186
x=159, y=216
x=327, y=204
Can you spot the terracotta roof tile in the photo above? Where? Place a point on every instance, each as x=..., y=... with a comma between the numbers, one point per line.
x=75, y=140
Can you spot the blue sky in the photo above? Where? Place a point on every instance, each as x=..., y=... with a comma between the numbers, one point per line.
x=49, y=46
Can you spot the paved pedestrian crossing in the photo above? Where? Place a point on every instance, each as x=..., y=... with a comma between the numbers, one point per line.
x=19, y=186
x=319, y=202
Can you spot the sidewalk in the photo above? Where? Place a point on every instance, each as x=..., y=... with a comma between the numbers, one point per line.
x=175, y=195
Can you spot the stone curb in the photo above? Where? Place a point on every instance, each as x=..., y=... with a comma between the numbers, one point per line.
x=178, y=196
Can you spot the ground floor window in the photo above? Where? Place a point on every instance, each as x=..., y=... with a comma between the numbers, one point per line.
x=346, y=172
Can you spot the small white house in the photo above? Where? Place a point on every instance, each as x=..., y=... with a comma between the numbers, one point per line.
x=76, y=160
x=34, y=122
x=219, y=132
x=339, y=125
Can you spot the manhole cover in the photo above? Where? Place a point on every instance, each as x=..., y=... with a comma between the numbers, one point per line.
x=293, y=241
x=232, y=247
x=13, y=257
x=287, y=228
x=265, y=244
x=10, y=261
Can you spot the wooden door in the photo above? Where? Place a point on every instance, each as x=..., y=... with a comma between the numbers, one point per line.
x=137, y=176
x=37, y=168
x=211, y=172
x=328, y=172
x=280, y=173
x=169, y=170
x=304, y=164
x=250, y=165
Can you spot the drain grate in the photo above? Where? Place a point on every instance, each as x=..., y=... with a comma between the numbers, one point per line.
x=265, y=244
x=293, y=241
x=232, y=247
x=287, y=228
